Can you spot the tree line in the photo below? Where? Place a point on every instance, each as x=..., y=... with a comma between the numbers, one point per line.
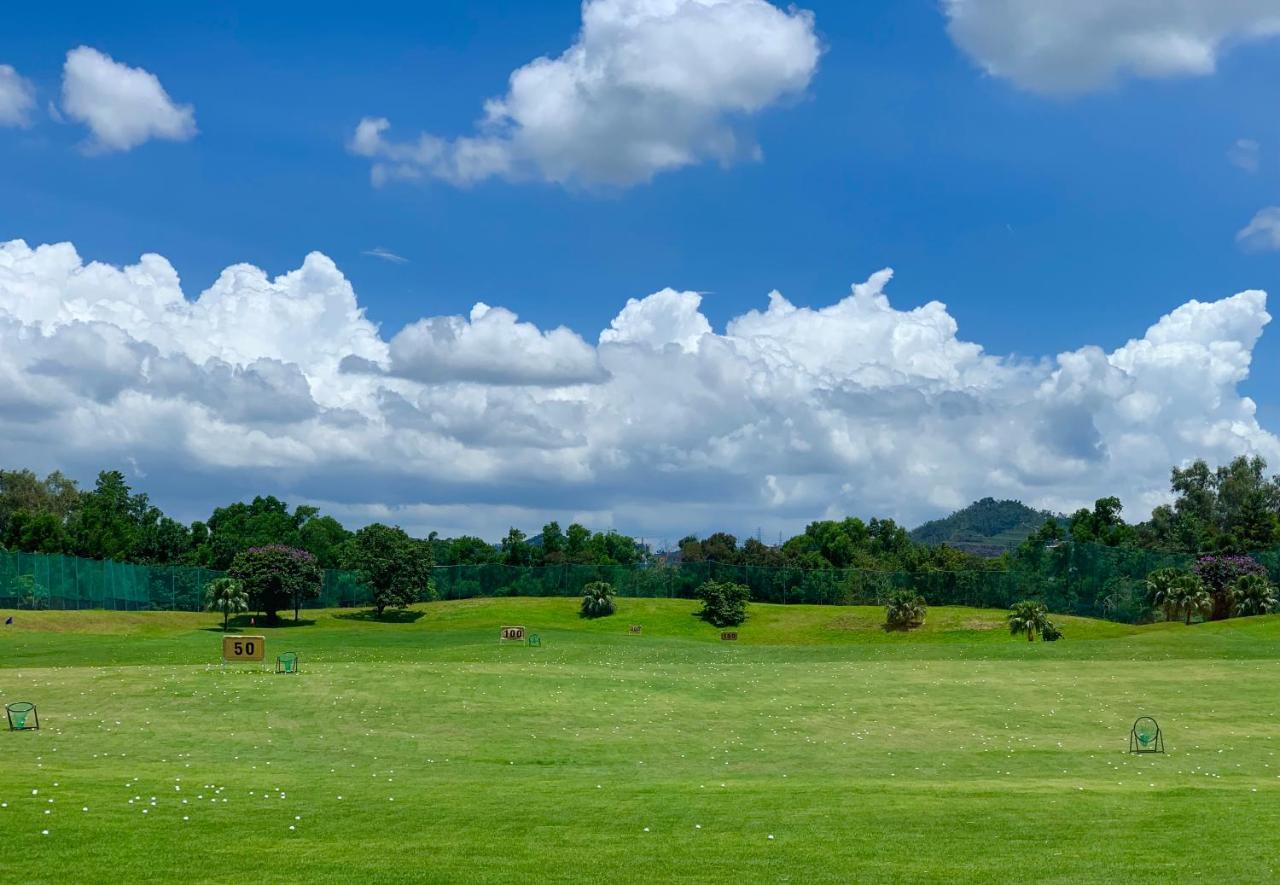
x=1091, y=562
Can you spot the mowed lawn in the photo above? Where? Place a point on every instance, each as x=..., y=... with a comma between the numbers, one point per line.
x=816, y=748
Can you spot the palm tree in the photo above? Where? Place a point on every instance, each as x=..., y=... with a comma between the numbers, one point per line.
x=1189, y=596
x=226, y=595
x=597, y=600
x=1029, y=617
x=1160, y=590
x=904, y=610
x=1252, y=595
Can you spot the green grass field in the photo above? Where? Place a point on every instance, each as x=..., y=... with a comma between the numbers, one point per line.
x=816, y=748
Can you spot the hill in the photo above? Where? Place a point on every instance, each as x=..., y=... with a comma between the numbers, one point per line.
x=987, y=527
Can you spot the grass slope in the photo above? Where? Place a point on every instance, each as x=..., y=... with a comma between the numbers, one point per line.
x=422, y=749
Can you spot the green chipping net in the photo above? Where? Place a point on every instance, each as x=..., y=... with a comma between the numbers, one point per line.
x=22, y=716
x=287, y=662
x=1146, y=736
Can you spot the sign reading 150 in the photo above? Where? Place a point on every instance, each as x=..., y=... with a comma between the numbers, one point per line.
x=244, y=648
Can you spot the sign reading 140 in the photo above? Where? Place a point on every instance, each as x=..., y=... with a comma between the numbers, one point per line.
x=243, y=648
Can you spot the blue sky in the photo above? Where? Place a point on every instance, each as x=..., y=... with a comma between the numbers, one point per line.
x=1044, y=221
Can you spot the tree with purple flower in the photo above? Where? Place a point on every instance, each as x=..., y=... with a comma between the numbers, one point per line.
x=1219, y=574
x=278, y=577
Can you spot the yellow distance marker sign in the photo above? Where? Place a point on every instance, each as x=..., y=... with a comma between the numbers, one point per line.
x=244, y=648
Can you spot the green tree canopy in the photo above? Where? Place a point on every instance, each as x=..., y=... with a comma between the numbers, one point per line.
x=277, y=577
x=395, y=567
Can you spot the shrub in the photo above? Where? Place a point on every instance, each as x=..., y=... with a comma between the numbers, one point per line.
x=276, y=577
x=1252, y=595
x=1050, y=631
x=904, y=610
x=597, y=600
x=723, y=603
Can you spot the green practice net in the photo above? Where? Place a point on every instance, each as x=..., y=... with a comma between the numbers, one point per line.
x=1085, y=579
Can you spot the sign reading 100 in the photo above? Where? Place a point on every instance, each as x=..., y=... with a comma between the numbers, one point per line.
x=243, y=648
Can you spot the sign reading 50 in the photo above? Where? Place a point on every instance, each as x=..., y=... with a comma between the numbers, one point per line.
x=243, y=648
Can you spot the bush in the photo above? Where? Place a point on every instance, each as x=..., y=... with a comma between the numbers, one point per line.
x=904, y=609
x=1050, y=633
x=723, y=603
x=597, y=600
x=1252, y=594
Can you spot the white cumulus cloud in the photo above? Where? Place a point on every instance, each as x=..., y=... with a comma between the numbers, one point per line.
x=17, y=97
x=663, y=425
x=647, y=86
x=122, y=106
x=491, y=346
x=1069, y=47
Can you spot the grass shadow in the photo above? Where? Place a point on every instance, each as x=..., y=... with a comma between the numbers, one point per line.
x=394, y=616
x=241, y=624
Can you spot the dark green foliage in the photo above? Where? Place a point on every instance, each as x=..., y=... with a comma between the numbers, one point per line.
x=395, y=567
x=277, y=577
x=1219, y=573
x=904, y=610
x=1233, y=509
x=597, y=600
x=723, y=603
x=265, y=521
x=1050, y=632
x=1163, y=593
x=1253, y=594
x=1102, y=525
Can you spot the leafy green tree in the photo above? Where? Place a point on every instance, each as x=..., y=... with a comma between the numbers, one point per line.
x=469, y=550
x=394, y=566
x=31, y=593
x=1028, y=617
x=1252, y=594
x=108, y=521
x=576, y=538
x=277, y=577
x=553, y=543
x=226, y=595
x=264, y=522
x=24, y=493
x=597, y=600
x=1102, y=525
x=324, y=537
x=904, y=609
x=723, y=603
x=515, y=550
x=34, y=533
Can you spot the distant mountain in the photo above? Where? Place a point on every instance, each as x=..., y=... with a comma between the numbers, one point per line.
x=987, y=527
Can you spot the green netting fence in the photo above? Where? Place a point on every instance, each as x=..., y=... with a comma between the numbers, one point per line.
x=1073, y=578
